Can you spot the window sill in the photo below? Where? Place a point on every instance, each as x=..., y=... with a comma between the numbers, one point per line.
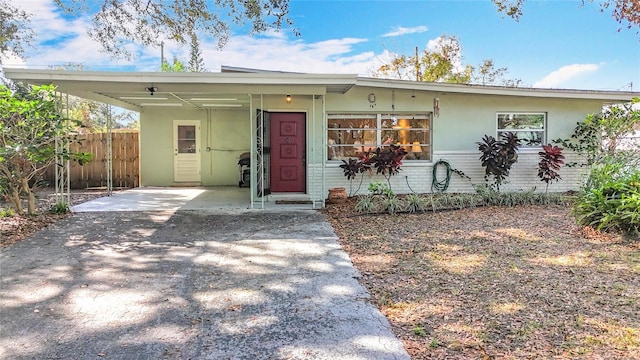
x=405, y=163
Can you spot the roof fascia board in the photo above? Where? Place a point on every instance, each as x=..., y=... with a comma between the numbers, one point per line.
x=498, y=90
x=179, y=77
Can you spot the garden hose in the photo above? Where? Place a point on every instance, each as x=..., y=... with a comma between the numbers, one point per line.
x=441, y=186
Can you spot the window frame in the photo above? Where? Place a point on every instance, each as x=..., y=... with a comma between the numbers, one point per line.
x=516, y=131
x=379, y=129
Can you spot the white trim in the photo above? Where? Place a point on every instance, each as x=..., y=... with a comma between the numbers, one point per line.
x=91, y=81
x=516, y=131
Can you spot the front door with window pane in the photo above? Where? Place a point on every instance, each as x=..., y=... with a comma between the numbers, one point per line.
x=186, y=151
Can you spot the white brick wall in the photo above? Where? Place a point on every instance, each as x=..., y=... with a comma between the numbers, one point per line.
x=418, y=176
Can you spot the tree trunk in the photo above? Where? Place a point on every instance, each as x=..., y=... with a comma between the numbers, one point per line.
x=31, y=197
x=15, y=199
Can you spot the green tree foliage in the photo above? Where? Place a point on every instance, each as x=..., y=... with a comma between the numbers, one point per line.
x=30, y=124
x=148, y=22
x=196, y=62
x=605, y=134
x=176, y=66
x=610, y=196
x=443, y=63
x=14, y=30
x=626, y=12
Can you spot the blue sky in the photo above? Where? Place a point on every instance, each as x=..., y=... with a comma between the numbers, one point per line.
x=556, y=44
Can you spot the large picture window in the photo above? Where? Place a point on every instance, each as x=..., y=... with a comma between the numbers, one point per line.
x=351, y=134
x=530, y=127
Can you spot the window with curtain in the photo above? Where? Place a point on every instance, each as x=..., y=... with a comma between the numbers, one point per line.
x=351, y=134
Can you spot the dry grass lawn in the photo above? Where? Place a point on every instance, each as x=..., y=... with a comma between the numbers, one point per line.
x=498, y=283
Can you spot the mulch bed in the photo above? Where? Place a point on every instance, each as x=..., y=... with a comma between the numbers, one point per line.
x=498, y=282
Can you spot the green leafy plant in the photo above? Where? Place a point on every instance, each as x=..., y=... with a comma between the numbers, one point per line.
x=551, y=159
x=6, y=213
x=491, y=197
x=419, y=331
x=60, y=208
x=366, y=204
x=610, y=200
x=31, y=124
x=392, y=204
x=599, y=135
x=498, y=156
x=416, y=203
x=380, y=189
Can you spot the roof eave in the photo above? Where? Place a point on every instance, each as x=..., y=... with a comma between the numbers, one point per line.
x=612, y=96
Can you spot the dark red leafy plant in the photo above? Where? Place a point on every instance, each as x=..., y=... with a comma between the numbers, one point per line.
x=386, y=161
x=497, y=156
x=551, y=159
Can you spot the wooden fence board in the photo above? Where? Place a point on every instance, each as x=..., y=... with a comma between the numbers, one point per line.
x=125, y=162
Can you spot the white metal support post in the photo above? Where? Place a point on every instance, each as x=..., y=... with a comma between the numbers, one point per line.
x=109, y=153
x=62, y=167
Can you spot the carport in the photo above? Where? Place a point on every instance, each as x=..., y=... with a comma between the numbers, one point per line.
x=194, y=127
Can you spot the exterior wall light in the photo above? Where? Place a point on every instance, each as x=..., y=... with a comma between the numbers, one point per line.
x=436, y=107
x=287, y=99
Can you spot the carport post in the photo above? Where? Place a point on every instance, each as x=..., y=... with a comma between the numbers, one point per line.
x=109, y=153
x=62, y=166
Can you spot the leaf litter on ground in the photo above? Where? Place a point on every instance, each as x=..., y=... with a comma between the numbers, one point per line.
x=498, y=282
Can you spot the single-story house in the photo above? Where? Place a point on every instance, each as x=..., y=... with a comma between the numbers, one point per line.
x=296, y=128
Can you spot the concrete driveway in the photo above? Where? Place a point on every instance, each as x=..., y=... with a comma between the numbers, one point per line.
x=187, y=285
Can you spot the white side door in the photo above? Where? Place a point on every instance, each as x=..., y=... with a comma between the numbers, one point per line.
x=186, y=151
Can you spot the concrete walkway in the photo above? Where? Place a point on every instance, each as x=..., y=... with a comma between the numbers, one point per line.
x=187, y=285
x=220, y=199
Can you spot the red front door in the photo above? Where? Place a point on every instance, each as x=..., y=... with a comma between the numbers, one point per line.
x=288, y=152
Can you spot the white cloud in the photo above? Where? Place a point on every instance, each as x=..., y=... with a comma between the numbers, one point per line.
x=564, y=74
x=399, y=31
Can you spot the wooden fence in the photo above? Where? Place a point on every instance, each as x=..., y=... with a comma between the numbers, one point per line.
x=125, y=162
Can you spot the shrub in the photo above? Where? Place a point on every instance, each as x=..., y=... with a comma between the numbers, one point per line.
x=60, y=208
x=351, y=168
x=392, y=204
x=366, y=204
x=497, y=157
x=415, y=203
x=551, y=159
x=6, y=213
x=385, y=161
x=610, y=199
x=492, y=197
x=380, y=188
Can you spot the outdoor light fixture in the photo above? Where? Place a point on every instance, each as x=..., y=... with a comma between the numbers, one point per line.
x=287, y=99
x=436, y=107
x=151, y=89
